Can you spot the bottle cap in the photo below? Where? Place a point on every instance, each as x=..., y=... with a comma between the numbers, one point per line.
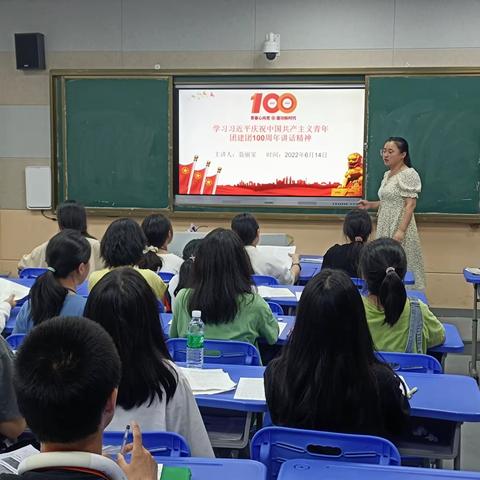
x=196, y=313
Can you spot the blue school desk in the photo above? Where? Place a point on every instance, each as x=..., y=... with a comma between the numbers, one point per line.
x=218, y=468
x=312, y=264
x=328, y=470
x=454, y=398
x=475, y=281
x=166, y=318
x=453, y=341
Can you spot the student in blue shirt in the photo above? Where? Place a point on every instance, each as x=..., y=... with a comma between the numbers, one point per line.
x=54, y=293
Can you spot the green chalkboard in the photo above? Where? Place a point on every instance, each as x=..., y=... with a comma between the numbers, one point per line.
x=440, y=118
x=115, y=133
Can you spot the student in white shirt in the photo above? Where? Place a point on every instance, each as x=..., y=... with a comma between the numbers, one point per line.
x=246, y=227
x=159, y=232
x=70, y=215
x=5, y=309
x=152, y=390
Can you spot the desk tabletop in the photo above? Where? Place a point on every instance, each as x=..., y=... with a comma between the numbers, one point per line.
x=218, y=468
x=453, y=341
x=441, y=396
x=328, y=470
x=470, y=277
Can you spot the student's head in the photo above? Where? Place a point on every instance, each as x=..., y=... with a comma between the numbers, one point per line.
x=67, y=256
x=124, y=304
x=159, y=233
x=383, y=265
x=221, y=272
x=185, y=272
x=123, y=243
x=246, y=227
x=73, y=216
x=66, y=374
x=357, y=227
x=395, y=151
x=329, y=357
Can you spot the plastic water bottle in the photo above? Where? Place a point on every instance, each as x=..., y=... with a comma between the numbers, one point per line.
x=195, y=336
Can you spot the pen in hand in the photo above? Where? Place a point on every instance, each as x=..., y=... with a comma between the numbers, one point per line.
x=125, y=438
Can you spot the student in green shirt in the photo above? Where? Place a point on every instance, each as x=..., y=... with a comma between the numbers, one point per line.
x=222, y=291
x=397, y=324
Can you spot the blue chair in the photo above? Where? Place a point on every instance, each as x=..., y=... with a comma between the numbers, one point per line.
x=32, y=272
x=161, y=444
x=410, y=362
x=275, y=308
x=11, y=321
x=161, y=307
x=166, y=276
x=217, y=351
x=15, y=340
x=264, y=280
x=272, y=446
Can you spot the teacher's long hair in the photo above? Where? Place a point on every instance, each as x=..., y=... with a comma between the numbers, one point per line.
x=402, y=145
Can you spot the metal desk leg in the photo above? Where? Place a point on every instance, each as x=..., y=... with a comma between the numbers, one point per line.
x=457, y=459
x=473, y=363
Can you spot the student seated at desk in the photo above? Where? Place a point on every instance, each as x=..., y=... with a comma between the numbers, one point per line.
x=397, y=324
x=159, y=232
x=122, y=246
x=221, y=289
x=152, y=390
x=183, y=278
x=55, y=292
x=327, y=377
x=66, y=379
x=5, y=309
x=357, y=227
x=246, y=227
x=70, y=215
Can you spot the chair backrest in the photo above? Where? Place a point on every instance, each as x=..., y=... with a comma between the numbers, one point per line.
x=161, y=307
x=274, y=445
x=217, y=351
x=275, y=308
x=15, y=340
x=410, y=362
x=160, y=444
x=166, y=276
x=32, y=272
x=264, y=280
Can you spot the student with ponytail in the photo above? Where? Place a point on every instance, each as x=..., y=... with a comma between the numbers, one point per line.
x=54, y=293
x=357, y=227
x=397, y=324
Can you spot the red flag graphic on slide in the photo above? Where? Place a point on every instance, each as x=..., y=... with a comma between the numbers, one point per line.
x=197, y=181
x=209, y=184
x=184, y=177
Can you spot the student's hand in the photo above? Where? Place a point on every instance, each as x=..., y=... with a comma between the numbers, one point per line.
x=295, y=257
x=142, y=466
x=11, y=300
x=399, y=236
x=363, y=204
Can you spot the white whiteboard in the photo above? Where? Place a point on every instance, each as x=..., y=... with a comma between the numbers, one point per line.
x=38, y=187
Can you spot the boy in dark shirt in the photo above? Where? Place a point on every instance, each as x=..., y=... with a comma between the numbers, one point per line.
x=67, y=374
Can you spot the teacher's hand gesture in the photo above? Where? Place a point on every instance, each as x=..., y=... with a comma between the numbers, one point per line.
x=366, y=205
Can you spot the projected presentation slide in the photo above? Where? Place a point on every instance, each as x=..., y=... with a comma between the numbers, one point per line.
x=301, y=142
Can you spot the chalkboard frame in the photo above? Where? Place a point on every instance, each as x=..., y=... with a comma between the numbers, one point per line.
x=57, y=76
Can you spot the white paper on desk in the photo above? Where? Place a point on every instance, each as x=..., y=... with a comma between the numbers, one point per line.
x=269, y=292
x=10, y=461
x=250, y=389
x=159, y=471
x=8, y=288
x=473, y=270
x=208, y=381
x=281, y=327
x=298, y=295
x=279, y=256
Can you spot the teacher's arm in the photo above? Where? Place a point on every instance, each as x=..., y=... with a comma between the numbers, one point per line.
x=410, y=204
x=366, y=205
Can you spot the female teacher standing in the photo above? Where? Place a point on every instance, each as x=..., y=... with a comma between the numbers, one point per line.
x=398, y=195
